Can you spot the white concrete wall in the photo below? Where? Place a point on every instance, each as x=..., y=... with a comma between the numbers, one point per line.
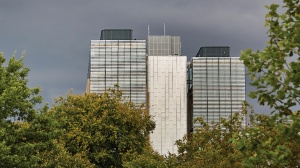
x=167, y=100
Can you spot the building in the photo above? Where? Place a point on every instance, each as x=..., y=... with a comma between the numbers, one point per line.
x=166, y=81
x=218, y=85
x=117, y=59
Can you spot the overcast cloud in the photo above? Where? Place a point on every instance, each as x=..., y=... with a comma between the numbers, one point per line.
x=56, y=34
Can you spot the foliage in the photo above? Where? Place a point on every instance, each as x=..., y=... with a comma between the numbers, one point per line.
x=210, y=145
x=45, y=133
x=58, y=156
x=271, y=141
x=104, y=127
x=146, y=159
x=79, y=131
x=17, y=103
x=274, y=140
x=28, y=139
x=275, y=71
x=13, y=152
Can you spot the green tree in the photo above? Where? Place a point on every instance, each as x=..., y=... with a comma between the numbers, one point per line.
x=28, y=137
x=210, y=145
x=44, y=134
x=275, y=75
x=271, y=141
x=17, y=102
x=147, y=159
x=104, y=127
x=79, y=131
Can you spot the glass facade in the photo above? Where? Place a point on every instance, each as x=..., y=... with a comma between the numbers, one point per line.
x=164, y=45
x=218, y=87
x=121, y=62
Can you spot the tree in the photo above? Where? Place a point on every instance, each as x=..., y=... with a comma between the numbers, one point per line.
x=271, y=141
x=210, y=145
x=44, y=134
x=17, y=102
x=147, y=159
x=28, y=137
x=105, y=126
x=79, y=131
x=275, y=71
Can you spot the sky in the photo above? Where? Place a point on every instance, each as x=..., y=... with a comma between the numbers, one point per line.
x=56, y=34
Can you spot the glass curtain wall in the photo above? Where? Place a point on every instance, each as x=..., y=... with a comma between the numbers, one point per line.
x=218, y=87
x=121, y=62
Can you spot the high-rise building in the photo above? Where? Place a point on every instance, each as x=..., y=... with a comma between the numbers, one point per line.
x=218, y=85
x=166, y=81
x=117, y=59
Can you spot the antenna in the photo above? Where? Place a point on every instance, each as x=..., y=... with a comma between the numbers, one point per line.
x=164, y=29
x=148, y=30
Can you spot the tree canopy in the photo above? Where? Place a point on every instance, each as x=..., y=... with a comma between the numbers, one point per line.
x=89, y=130
x=105, y=127
x=275, y=71
x=17, y=103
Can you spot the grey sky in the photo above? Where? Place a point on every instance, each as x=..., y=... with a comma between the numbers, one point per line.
x=56, y=34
